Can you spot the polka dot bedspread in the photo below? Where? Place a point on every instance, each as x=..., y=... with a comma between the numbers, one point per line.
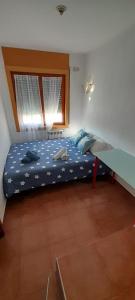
x=20, y=177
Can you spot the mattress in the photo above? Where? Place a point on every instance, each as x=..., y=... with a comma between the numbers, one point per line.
x=20, y=177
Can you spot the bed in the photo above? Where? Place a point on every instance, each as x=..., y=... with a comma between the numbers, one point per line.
x=20, y=177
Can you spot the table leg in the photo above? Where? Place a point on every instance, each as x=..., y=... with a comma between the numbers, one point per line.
x=96, y=163
x=1, y=230
x=113, y=177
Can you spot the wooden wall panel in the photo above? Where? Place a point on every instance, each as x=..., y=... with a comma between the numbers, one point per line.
x=35, y=59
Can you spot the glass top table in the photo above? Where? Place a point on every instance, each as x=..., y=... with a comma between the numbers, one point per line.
x=120, y=162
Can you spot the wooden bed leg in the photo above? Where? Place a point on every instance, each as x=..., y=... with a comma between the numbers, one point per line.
x=96, y=162
x=1, y=231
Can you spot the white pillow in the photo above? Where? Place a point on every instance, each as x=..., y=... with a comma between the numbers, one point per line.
x=100, y=145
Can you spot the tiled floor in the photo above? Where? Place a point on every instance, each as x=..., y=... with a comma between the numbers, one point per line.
x=53, y=222
x=104, y=270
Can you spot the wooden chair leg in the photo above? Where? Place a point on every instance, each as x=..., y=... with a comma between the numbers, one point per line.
x=1, y=230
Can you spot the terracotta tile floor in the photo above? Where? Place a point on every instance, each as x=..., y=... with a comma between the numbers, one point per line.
x=55, y=221
x=104, y=270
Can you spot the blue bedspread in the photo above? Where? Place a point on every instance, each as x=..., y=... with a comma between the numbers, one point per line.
x=21, y=177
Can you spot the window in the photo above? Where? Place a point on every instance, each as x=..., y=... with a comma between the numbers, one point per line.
x=39, y=99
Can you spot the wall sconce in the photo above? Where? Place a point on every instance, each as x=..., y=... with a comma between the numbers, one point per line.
x=89, y=88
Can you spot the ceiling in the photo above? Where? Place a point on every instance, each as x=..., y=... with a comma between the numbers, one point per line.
x=85, y=25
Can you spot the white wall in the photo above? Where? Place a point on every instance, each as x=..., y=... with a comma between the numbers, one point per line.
x=111, y=112
x=4, y=146
x=76, y=94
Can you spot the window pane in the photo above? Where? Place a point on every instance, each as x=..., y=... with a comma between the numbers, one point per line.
x=28, y=102
x=52, y=99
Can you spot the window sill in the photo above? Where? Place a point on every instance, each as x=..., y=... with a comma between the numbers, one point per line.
x=55, y=127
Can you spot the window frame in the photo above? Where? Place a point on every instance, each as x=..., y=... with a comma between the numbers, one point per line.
x=10, y=71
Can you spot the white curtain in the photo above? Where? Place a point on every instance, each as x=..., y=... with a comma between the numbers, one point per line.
x=28, y=102
x=51, y=93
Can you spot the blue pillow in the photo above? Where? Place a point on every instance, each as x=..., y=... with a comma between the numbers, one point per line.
x=78, y=136
x=85, y=144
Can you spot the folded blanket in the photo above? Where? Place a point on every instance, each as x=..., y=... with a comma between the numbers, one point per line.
x=26, y=160
x=61, y=154
x=30, y=157
x=65, y=155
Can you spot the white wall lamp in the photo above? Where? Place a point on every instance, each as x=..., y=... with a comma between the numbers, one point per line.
x=89, y=88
